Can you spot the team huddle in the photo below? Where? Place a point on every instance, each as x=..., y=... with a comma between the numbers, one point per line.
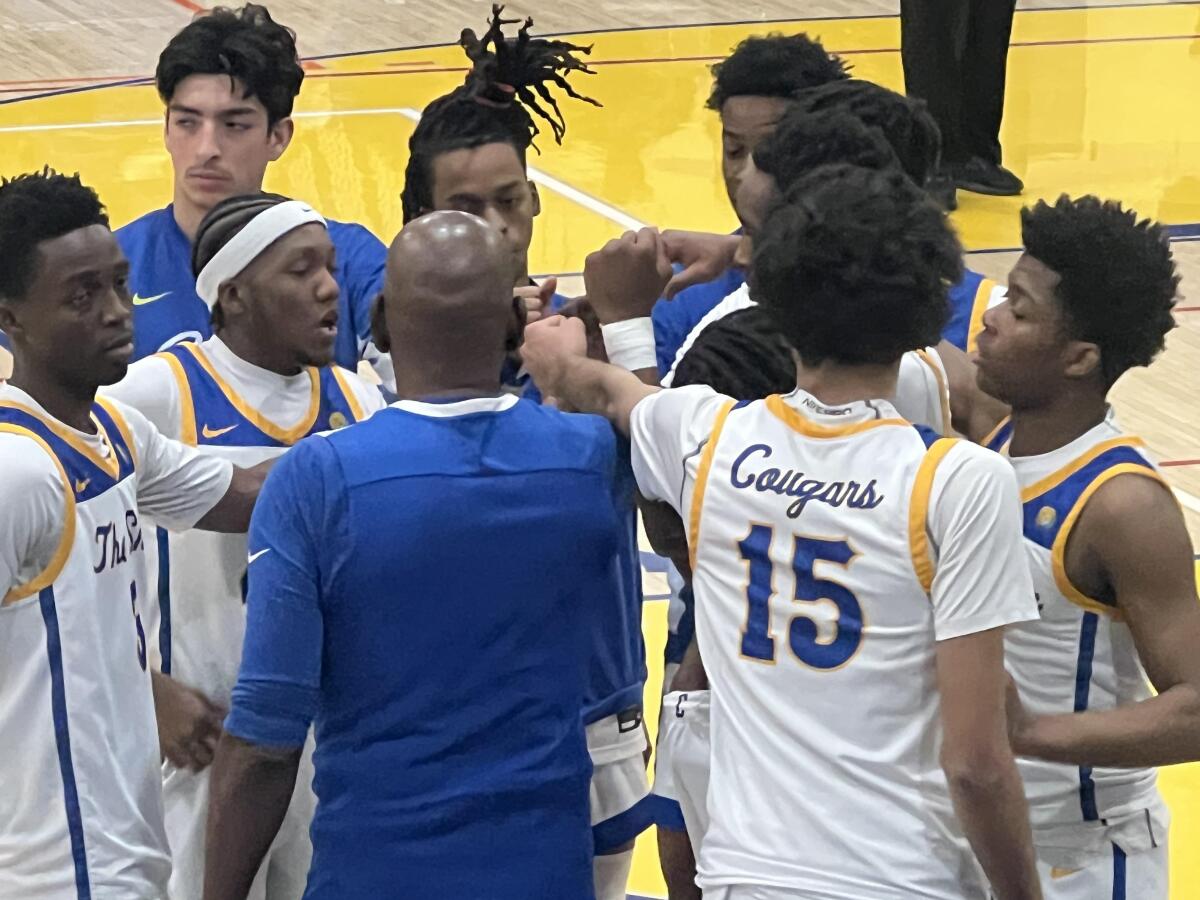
x=319, y=558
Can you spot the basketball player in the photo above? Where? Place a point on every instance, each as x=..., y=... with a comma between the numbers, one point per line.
x=83, y=803
x=259, y=385
x=229, y=80
x=468, y=153
x=899, y=551
x=445, y=689
x=1089, y=299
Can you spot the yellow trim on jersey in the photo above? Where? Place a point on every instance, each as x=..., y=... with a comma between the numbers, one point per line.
x=46, y=577
x=979, y=306
x=187, y=408
x=122, y=426
x=356, y=409
x=263, y=424
x=943, y=389
x=1054, y=479
x=111, y=465
x=918, y=511
x=809, y=428
x=706, y=459
x=1058, y=552
x=991, y=435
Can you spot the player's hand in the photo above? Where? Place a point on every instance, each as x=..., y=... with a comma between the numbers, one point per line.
x=548, y=349
x=189, y=724
x=703, y=257
x=537, y=299
x=626, y=277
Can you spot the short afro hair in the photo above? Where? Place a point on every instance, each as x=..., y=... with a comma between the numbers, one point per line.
x=855, y=266
x=246, y=44
x=774, y=66
x=494, y=104
x=905, y=122
x=805, y=141
x=37, y=207
x=742, y=356
x=1118, y=281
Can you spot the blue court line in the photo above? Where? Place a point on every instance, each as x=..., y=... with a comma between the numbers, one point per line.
x=615, y=30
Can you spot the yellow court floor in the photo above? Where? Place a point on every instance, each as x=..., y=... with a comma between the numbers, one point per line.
x=1100, y=100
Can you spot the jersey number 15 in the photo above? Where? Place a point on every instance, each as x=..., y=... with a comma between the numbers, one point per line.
x=804, y=635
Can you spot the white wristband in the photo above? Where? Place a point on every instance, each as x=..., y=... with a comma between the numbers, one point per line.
x=630, y=344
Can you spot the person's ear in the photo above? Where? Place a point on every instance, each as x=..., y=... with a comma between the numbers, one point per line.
x=1081, y=359
x=516, y=326
x=537, y=199
x=280, y=136
x=232, y=298
x=379, y=329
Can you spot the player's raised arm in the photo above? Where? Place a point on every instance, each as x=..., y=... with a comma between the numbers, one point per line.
x=1133, y=532
x=981, y=584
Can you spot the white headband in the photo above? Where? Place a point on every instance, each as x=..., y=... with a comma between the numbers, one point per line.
x=245, y=246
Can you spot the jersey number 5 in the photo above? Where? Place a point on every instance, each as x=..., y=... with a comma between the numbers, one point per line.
x=804, y=635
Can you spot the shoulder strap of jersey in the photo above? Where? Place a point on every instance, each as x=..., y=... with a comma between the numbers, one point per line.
x=339, y=404
x=120, y=438
x=1000, y=436
x=983, y=296
x=66, y=540
x=187, y=406
x=1053, y=505
x=918, y=506
x=706, y=458
x=939, y=377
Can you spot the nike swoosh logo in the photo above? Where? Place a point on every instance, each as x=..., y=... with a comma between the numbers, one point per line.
x=254, y=556
x=142, y=301
x=211, y=433
x=81, y=486
x=1056, y=873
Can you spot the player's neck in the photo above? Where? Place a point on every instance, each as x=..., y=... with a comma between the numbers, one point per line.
x=433, y=380
x=1043, y=429
x=188, y=216
x=836, y=384
x=69, y=404
x=259, y=353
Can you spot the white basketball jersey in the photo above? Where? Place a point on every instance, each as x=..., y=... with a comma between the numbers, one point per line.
x=1080, y=655
x=82, y=807
x=812, y=574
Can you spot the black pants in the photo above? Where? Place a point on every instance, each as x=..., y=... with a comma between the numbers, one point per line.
x=955, y=53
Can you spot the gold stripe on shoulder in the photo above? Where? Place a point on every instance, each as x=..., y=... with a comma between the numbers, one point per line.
x=918, y=511
x=702, y=473
x=1054, y=479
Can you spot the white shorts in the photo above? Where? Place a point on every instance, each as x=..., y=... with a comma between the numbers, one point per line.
x=619, y=785
x=1125, y=858
x=284, y=872
x=682, y=765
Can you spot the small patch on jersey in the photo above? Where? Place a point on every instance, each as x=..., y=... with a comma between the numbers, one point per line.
x=1057, y=872
x=338, y=420
x=1047, y=516
x=210, y=433
x=82, y=485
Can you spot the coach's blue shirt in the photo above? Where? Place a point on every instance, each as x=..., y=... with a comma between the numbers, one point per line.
x=395, y=602
x=168, y=310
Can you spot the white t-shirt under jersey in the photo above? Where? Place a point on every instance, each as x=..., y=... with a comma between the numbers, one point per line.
x=176, y=486
x=283, y=399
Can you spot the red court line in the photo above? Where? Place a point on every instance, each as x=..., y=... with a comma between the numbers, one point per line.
x=1186, y=309
x=1181, y=462
x=190, y=6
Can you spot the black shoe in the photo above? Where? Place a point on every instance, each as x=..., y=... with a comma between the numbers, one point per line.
x=940, y=187
x=982, y=177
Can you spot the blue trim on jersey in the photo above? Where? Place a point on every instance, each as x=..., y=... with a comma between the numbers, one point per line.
x=1119, y=873
x=1001, y=437
x=668, y=814
x=1063, y=496
x=679, y=639
x=62, y=740
x=928, y=435
x=80, y=470
x=164, y=601
x=211, y=406
x=961, y=298
x=5, y=343
x=611, y=834
x=1083, y=683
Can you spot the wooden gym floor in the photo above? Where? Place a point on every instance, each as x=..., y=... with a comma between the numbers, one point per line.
x=1101, y=99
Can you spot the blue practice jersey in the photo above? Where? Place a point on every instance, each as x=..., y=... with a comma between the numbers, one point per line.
x=395, y=601
x=167, y=309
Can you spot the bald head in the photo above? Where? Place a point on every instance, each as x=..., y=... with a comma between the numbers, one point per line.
x=448, y=298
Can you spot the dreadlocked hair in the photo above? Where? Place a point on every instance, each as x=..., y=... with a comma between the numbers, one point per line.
x=221, y=224
x=508, y=76
x=742, y=356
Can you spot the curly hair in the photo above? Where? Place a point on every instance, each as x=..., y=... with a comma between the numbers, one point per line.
x=804, y=141
x=905, y=122
x=1118, y=281
x=774, y=66
x=37, y=207
x=855, y=265
x=742, y=356
x=494, y=104
x=247, y=45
